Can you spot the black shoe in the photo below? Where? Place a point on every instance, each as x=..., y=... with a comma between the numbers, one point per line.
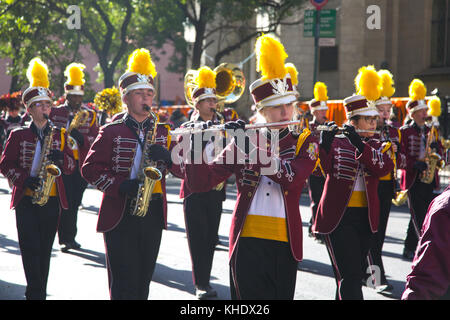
x=75, y=245
x=203, y=293
x=408, y=254
x=65, y=247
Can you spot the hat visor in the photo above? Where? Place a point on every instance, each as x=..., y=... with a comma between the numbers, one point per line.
x=370, y=112
x=38, y=98
x=135, y=86
x=276, y=100
x=205, y=96
x=318, y=108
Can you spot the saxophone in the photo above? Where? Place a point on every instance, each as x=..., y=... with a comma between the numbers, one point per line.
x=148, y=174
x=432, y=158
x=48, y=172
x=78, y=120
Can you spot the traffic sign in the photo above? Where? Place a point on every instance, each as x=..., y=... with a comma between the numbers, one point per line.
x=319, y=3
x=327, y=23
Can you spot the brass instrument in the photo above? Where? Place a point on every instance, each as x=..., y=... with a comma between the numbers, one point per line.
x=78, y=120
x=400, y=198
x=148, y=174
x=230, y=84
x=48, y=172
x=432, y=159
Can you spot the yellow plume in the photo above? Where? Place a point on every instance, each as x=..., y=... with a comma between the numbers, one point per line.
x=141, y=62
x=434, y=105
x=387, y=80
x=320, y=91
x=206, y=78
x=292, y=70
x=368, y=83
x=74, y=74
x=270, y=57
x=417, y=90
x=37, y=73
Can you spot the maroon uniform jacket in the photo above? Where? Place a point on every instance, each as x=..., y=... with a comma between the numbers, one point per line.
x=109, y=163
x=430, y=275
x=341, y=166
x=18, y=155
x=229, y=115
x=60, y=117
x=410, y=146
x=293, y=171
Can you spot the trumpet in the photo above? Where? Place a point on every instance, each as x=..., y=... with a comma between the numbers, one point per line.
x=221, y=127
x=341, y=130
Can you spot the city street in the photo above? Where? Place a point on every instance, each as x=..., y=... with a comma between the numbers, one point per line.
x=81, y=275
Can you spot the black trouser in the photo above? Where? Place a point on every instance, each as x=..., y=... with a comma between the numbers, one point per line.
x=385, y=195
x=262, y=270
x=348, y=246
x=131, y=252
x=36, y=228
x=315, y=184
x=202, y=213
x=420, y=196
x=74, y=184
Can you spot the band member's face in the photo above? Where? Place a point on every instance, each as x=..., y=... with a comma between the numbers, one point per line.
x=74, y=101
x=13, y=112
x=207, y=108
x=420, y=116
x=320, y=115
x=37, y=110
x=385, y=112
x=280, y=113
x=137, y=99
x=366, y=123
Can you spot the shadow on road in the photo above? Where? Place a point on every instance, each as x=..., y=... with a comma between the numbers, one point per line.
x=11, y=291
x=94, y=256
x=8, y=245
x=176, y=279
x=315, y=267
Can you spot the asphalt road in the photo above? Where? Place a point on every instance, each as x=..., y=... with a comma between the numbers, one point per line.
x=81, y=275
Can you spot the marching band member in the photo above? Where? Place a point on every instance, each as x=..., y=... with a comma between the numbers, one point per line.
x=430, y=274
x=81, y=133
x=27, y=153
x=266, y=231
x=202, y=210
x=316, y=181
x=387, y=184
x=348, y=211
x=114, y=165
x=415, y=138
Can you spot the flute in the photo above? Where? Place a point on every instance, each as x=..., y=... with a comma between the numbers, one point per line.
x=340, y=129
x=221, y=127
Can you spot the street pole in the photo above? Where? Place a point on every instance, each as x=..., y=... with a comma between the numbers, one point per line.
x=316, y=46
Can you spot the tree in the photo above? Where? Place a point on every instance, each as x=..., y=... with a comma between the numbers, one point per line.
x=213, y=21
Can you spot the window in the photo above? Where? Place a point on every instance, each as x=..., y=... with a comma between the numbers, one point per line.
x=440, y=34
x=328, y=57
